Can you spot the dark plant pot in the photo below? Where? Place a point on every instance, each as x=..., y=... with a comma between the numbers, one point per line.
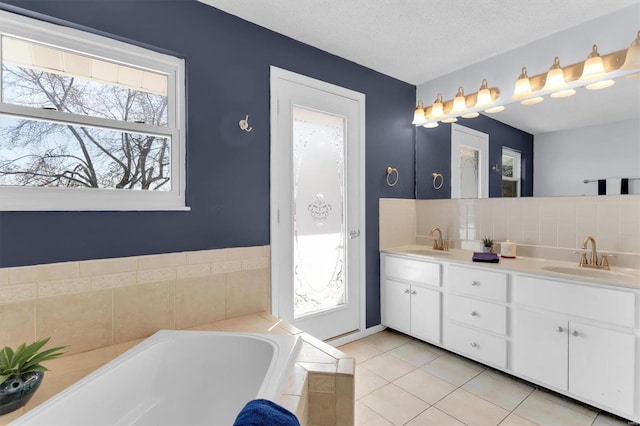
x=16, y=392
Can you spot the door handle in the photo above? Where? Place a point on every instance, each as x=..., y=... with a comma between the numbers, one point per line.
x=354, y=234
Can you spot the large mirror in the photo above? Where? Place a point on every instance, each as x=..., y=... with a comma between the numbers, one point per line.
x=593, y=136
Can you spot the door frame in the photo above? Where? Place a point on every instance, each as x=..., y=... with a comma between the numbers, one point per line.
x=276, y=261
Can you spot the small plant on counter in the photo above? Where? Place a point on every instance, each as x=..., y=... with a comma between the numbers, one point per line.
x=487, y=242
x=21, y=372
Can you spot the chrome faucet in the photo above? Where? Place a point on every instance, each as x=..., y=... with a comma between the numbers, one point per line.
x=592, y=261
x=438, y=243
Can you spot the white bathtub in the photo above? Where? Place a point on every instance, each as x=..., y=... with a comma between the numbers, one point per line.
x=175, y=378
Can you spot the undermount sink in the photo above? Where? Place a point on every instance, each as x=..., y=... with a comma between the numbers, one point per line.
x=428, y=252
x=588, y=272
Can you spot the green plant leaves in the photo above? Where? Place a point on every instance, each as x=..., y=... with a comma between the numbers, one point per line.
x=26, y=358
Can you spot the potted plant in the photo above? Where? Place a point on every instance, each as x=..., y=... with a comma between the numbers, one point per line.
x=487, y=242
x=21, y=372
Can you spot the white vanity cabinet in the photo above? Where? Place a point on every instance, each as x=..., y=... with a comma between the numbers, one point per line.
x=577, y=339
x=410, y=294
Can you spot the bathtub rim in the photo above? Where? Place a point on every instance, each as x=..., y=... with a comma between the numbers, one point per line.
x=286, y=347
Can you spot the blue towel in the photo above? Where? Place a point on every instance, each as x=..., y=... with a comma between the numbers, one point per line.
x=485, y=257
x=262, y=412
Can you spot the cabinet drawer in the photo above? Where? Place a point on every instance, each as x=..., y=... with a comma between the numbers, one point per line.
x=485, y=315
x=479, y=283
x=600, y=304
x=478, y=345
x=412, y=270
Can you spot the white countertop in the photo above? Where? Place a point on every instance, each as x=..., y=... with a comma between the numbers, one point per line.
x=621, y=277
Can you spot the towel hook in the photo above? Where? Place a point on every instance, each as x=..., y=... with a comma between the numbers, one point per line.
x=390, y=171
x=244, y=124
x=435, y=180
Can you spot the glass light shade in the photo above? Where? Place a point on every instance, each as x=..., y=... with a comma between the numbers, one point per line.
x=603, y=84
x=563, y=93
x=532, y=101
x=523, y=85
x=494, y=109
x=418, y=115
x=437, y=110
x=450, y=120
x=632, y=61
x=555, y=77
x=484, y=95
x=593, y=68
x=470, y=115
x=459, y=102
x=431, y=125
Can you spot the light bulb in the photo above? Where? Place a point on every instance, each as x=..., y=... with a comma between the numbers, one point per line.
x=602, y=84
x=470, y=115
x=563, y=93
x=523, y=85
x=494, y=109
x=418, y=115
x=593, y=68
x=555, y=77
x=437, y=109
x=450, y=120
x=431, y=125
x=484, y=95
x=632, y=60
x=532, y=101
x=459, y=102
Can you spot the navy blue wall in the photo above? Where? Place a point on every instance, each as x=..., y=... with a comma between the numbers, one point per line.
x=228, y=170
x=433, y=155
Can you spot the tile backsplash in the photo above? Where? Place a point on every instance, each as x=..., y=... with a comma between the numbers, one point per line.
x=541, y=226
x=96, y=303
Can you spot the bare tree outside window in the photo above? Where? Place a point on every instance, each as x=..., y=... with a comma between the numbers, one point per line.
x=48, y=154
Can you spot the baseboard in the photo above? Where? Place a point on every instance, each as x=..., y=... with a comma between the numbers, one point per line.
x=356, y=335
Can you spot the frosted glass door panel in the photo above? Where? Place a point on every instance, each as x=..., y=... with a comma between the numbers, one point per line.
x=318, y=222
x=469, y=172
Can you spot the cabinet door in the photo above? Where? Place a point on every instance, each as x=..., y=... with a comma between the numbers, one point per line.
x=396, y=305
x=541, y=348
x=602, y=366
x=425, y=314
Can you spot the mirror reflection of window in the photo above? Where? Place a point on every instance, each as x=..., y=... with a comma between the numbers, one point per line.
x=511, y=177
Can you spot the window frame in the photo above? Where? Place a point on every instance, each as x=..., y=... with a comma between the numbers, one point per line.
x=29, y=198
x=517, y=168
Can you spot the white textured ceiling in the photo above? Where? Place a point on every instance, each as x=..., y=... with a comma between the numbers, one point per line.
x=418, y=40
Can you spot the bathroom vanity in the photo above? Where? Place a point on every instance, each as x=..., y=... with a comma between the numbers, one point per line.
x=572, y=330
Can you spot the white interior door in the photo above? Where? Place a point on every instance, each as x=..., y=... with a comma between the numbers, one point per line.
x=317, y=204
x=469, y=163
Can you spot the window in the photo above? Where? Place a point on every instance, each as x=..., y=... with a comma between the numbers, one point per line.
x=510, y=173
x=87, y=122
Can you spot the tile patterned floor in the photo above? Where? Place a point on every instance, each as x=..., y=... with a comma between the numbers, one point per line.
x=403, y=381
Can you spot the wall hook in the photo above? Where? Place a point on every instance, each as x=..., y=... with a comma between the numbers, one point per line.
x=390, y=171
x=244, y=124
x=496, y=168
x=435, y=183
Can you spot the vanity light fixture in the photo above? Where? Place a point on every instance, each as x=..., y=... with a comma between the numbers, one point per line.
x=532, y=101
x=431, y=125
x=419, y=117
x=450, y=120
x=556, y=82
x=470, y=115
x=593, y=71
x=437, y=109
x=484, y=95
x=523, y=85
x=459, y=102
x=632, y=60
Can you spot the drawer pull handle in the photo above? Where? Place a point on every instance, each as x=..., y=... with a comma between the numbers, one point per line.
x=475, y=283
x=575, y=333
x=560, y=329
x=414, y=292
x=406, y=291
x=474, y=345
x=474, y=314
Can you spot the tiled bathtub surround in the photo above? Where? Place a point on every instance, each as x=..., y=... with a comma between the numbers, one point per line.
x=97, y=303
x=548, y=227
